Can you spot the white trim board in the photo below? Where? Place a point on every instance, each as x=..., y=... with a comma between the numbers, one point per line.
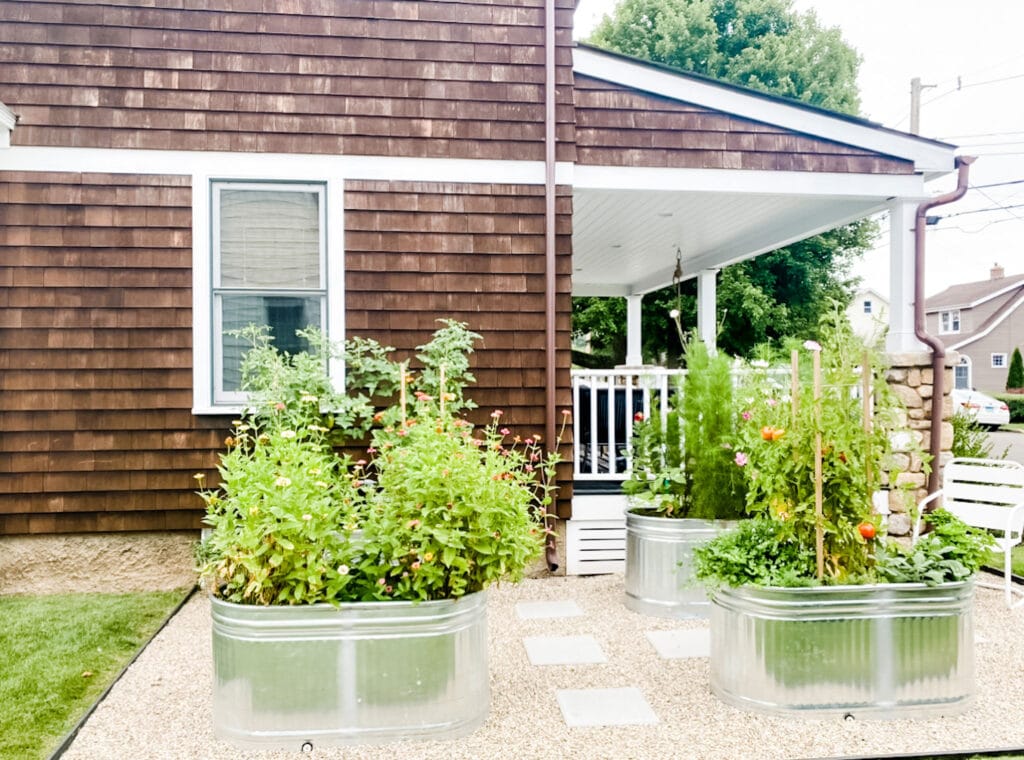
x=751, y=182
x=285, y=166
x=928, y=156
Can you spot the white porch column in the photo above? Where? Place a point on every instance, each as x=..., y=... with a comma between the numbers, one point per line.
x=707, y=299
x=634, y=335
x=901, y=338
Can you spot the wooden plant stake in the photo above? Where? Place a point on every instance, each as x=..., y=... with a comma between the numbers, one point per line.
x=440, y=388
x=866, y=393
x=819, y=528
x=794, y=385
x=401, y=391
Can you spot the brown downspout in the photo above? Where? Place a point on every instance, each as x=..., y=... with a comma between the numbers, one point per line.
x=938, y=350
x=550, y=281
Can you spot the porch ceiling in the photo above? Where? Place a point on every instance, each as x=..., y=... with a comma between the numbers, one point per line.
x=625, y=240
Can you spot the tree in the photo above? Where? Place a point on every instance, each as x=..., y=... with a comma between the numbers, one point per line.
x=765, y=45
x=1015, y=376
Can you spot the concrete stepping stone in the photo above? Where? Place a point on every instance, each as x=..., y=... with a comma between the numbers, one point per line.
x=681, y=643
x=563, y=650
x=605, y=707
x=557, y=609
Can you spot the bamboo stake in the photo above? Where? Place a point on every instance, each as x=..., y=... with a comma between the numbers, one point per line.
x=794, y=385
x=819, y=528
x=865, y=377
x=440, y=388
x=401, y=391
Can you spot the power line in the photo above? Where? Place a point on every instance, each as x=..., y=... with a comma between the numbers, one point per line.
x=997, y=184
x=984, y=210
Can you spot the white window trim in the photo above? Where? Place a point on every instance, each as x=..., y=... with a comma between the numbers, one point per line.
x=203, y=318
x=965, y=361
x=1003, y=365
x=943, y=330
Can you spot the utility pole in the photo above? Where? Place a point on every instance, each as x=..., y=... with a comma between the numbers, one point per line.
x=915, y=104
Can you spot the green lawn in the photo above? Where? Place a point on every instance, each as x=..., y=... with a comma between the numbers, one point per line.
x=1017, y=560
x=57, y=655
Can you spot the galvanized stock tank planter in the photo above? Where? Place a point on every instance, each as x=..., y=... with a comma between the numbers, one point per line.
x=659, y=564
x=874, y=651
x=289, y=676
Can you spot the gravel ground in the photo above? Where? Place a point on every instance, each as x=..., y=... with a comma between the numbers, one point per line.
x=161, y=708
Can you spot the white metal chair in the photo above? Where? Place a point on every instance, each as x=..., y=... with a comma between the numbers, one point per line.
x=985, y=493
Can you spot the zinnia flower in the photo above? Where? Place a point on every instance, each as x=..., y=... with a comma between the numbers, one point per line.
x=740, y=459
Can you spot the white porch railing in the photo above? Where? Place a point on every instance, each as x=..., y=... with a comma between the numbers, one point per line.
x=604, y=404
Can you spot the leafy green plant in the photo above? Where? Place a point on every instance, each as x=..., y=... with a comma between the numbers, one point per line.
x=759, y=551
x=682, y=459
x=970, y=438
x=778, y=439
x=952, y=551
x=438, y=510
x=715, y=486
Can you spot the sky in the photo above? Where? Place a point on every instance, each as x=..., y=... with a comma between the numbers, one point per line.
x=971, y=52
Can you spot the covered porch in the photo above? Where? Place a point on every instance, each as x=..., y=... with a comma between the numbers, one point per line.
x=678, y=177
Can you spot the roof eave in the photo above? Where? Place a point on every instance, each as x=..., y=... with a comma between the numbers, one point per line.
x=933, y=159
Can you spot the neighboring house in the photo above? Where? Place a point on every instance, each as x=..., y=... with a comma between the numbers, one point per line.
x=181, y=168
x=868, y=313
x=982, y=321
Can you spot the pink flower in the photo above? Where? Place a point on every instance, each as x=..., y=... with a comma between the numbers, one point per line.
x=566, y=413
x=279, y=406
x=504, y=431
x=812, y=345
x=496, y=413
x=740, y=459
x=773, y=402
x=746, y=416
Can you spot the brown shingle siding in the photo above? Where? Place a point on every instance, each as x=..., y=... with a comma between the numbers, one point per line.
x=617, y=126
x=409, y=263
x=452, y=79
x=96, y=379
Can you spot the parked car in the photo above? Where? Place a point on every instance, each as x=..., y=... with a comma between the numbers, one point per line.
x=983, y=408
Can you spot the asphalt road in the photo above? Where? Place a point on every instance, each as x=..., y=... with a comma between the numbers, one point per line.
x=1012, y=439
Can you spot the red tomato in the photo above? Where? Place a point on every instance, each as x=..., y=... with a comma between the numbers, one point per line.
x=867, y=530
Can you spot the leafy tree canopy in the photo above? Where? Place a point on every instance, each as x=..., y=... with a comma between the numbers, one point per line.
x=765, y=45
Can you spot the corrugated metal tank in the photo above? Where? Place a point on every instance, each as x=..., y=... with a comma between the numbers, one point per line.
x=359, y=673
x=879, y=651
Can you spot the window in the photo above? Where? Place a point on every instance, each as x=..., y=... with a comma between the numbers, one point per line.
x=269, y=262
x=949, y=321
x=867, y=306
x=962, y=373
x=998, y=360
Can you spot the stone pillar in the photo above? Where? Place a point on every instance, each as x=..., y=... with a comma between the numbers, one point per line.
x=911, y=379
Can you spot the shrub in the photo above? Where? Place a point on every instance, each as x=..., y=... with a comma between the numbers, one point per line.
x=1015, y=375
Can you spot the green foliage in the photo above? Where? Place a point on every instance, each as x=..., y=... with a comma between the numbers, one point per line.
x=778, y=442
x=970, y=438
x=57, y=655
x=759, y=551
x=1016, y=403
x=952, y=551
x=765, y=45
x=682, y=459
x=437, y=512
x=1015, y=375
x=762, y=44
x=714, y=484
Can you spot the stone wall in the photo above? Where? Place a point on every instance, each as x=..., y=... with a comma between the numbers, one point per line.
x=912, y=380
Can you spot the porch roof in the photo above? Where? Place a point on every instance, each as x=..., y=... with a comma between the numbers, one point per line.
x=670, y=161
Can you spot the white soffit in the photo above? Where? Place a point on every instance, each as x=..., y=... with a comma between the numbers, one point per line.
x=928, y=156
